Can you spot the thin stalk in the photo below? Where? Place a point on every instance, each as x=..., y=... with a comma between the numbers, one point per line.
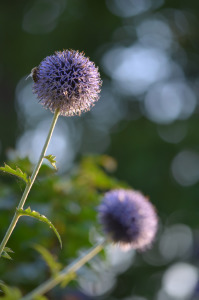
x=70, y=269
x=29, y=184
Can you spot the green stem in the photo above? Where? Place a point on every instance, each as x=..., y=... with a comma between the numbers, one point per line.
x=29, y=185
x=70, y=269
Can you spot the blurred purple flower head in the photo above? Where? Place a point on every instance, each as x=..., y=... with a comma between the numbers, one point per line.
x=128, y=218
x=68, y=81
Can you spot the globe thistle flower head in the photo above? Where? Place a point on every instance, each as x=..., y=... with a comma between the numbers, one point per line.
x=128, y=218
x=67, y=81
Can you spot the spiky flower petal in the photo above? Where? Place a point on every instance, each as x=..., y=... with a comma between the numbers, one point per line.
x=68, y=81
x=128, y=218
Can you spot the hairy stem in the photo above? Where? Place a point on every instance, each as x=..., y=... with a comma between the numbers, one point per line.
x=29, y=185
x=70, y=269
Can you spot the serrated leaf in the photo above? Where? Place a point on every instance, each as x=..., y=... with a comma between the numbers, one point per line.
x=42, y=218
x=52, y=160
x=53, y=265
x=17, y=172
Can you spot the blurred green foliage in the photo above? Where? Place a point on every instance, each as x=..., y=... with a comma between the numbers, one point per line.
x=70, y=201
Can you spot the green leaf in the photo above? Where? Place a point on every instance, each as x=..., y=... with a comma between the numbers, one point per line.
x=5, y=252
x=51, y=158
x=10, y=293
x=17, y=172
x=53, y=265
x=42, y=218
x=8, y=250
x=6, y=255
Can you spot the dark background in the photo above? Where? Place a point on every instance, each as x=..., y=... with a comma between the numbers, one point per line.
x=146, y=119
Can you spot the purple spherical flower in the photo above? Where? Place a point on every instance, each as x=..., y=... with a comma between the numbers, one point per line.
x=67, y=81
x=128, y=218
